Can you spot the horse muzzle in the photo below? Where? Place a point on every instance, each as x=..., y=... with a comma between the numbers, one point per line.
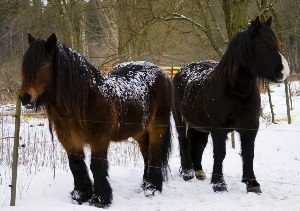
x=26, y=100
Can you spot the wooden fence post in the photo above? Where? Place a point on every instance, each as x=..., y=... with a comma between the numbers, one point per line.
x=15, y=153
x=270, y=102
x=290, y=94
x=288, y=109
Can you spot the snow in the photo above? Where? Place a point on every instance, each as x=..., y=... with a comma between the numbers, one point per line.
x=199, y=77
x=133, y=88
x=276, y=165
x=69, y=52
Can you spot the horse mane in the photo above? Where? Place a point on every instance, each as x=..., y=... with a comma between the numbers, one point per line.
x=72, y=73
x=239, y=50
x=236, y=54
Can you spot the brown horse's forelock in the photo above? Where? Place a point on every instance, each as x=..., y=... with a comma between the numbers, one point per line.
x=31, y=59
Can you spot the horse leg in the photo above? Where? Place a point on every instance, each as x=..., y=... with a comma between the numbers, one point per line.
x=198, y=141
x=184, y=147
x=82, y=183
x=154, y=165
x=143, y=141
x=102, y=196
x=187, y=171
x=219, y=149
x=247, y=145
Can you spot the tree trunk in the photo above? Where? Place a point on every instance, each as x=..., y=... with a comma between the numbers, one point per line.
x=236, y=16
x=123, y=24
x=77, y=17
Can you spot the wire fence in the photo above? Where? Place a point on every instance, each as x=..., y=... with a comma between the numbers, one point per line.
x=30, y=136
x=37, y=151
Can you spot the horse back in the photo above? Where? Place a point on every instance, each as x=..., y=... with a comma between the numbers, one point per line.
x=144, y=94
x=191, y=85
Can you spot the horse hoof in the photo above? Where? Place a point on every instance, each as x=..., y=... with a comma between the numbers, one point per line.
x=254, y=190
x=150, y=192
x=252, y=186
x=200, y=175
x=149, y=189
x=220, y=187
x=97, y=201
x=99, y=205
x=187, y=174
x=81, y=197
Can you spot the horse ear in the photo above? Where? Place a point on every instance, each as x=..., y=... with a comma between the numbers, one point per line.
x=256, y=22
x=255, y=25
x=30, y=39
x=51, y=43
x=269, y=21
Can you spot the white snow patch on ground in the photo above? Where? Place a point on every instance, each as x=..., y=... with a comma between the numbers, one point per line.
x=276, y=164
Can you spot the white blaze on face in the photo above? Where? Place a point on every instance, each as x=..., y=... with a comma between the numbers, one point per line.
x=286, y=69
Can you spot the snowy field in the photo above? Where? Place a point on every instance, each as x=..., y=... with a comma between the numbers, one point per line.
x=276, y=164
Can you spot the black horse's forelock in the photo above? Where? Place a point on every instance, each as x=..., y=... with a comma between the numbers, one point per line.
x=269, y=37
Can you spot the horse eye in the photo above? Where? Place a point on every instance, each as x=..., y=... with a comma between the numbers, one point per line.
x=45, y=66
x=262, y=44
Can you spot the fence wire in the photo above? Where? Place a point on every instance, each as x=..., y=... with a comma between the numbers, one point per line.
x=36, y=153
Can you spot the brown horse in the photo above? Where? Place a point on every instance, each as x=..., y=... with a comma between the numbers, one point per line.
x=86, y=106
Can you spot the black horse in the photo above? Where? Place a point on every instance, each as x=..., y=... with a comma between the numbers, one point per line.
x=217, y=98
x=86, y=106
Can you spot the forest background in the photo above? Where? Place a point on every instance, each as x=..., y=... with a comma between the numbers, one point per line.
x=165, y=32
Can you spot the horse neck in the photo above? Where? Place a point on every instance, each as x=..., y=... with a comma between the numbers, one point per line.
x=237, y=76
x=243, y=83
x=75, y=81
x=235, y=62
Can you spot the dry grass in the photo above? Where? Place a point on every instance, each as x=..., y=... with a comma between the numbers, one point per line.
x=37, y=152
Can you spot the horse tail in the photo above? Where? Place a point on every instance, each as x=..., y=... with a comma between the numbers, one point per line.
x=166, y=150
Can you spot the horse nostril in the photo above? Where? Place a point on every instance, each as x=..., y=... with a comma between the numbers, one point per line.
x=25, y=99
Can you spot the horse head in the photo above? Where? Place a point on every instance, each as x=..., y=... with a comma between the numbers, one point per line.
x=266, y=60
x=37, y=72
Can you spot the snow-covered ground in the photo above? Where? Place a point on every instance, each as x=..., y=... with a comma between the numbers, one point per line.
x=276, y=164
